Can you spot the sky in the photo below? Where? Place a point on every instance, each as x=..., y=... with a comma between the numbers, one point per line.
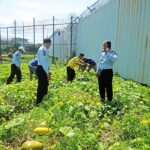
x=25, y=10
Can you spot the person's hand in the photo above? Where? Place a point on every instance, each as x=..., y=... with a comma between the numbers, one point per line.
x=49, y=76
x=98, y=74
x=82, y=65
x=107, y=49
x=87, y=64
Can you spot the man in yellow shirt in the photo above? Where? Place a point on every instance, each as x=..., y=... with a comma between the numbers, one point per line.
x=71, y=65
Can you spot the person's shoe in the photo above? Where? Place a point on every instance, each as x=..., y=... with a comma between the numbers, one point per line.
x=109, y=99
x=103, y=100
x=37, y=105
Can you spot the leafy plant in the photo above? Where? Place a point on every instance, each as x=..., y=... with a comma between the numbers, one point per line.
x=73, y=111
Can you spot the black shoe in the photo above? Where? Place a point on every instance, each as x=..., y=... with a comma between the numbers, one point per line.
x=102, y=100
x=37, y=104
x=109, y=100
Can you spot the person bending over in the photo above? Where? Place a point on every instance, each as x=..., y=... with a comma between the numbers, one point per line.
x=71, y=66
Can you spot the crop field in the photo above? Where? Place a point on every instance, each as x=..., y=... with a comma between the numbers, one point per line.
x=73, y=114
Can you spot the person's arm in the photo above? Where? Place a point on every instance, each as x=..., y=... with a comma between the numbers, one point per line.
x=82, y=63
x=49, y=67
x=112, y=55
x=17, y=60
x=78, y=61
x=98, y=69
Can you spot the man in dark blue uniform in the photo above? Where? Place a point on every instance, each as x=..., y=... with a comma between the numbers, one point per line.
x=91, y=64
x=32, y=67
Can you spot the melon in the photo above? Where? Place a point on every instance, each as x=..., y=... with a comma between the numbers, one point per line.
x=32, y=145
x=145, y=122
x=42, y=130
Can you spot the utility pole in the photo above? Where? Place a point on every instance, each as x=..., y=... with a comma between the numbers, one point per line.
x=34, y=35
x=53, y=38
x=0, y=42
x=23, y=34
x=7, y=40
x=71, y=34
x=43, y=32
x=15, y=35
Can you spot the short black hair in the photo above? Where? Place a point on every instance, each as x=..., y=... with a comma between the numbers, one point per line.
x=81, y=54
x=45, y=41
x=108, y=43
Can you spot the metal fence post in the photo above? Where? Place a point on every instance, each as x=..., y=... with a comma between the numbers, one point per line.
x=34, y=35
x=53, y=37
x=0, y=42
x=7, y=41
x=15, y=34
x=23, y=34
x=0, y=48
x=43, y=32
x=71, y=34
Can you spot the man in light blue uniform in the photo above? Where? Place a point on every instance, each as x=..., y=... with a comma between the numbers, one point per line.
x=15, y=66
x=43, y=70
x=32, y=67
x=105, y=71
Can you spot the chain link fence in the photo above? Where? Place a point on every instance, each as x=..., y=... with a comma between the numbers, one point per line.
x=31, y=35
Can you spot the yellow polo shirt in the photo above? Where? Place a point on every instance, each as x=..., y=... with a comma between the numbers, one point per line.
x=73, y=62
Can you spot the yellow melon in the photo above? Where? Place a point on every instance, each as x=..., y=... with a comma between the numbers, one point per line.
x=42, y=130
x=145, y=122
x=32, y=145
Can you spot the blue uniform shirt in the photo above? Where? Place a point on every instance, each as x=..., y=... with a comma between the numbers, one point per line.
x=17, y=58
x=107, y=60
x=34, y=63
x=44, y=59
